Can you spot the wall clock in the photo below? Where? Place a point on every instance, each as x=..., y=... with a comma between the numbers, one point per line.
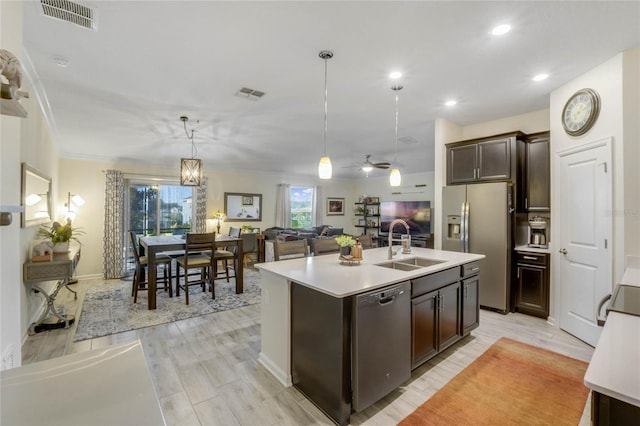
x=581, y=112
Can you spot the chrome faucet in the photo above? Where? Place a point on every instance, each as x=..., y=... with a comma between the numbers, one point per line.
x=391, y=239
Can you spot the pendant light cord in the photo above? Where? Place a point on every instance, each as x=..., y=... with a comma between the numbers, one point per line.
x=326, y=127
x=194, y=150
x=395, y=159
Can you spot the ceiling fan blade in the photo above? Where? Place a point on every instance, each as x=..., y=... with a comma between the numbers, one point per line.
x=381, y=165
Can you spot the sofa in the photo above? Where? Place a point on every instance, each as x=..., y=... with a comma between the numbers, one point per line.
x=298, y=233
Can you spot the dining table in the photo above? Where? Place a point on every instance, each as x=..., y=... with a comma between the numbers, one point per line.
x=154, y=244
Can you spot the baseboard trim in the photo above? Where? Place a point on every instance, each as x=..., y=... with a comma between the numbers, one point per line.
x=277, y=372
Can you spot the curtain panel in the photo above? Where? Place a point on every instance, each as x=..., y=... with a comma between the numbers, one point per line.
x=114, y=263
x=283, y=205
x=200, y=224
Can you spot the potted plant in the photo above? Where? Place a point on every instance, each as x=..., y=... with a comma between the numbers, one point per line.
x=246, y=229
x=345, y=242
x=60, y=235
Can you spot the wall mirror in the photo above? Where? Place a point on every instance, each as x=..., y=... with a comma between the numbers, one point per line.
x=35, y=196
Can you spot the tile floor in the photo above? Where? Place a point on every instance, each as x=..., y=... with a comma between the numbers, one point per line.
x=205, y=369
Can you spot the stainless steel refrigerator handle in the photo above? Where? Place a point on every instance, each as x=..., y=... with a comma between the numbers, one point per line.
x=466, y=227
x=462, y=224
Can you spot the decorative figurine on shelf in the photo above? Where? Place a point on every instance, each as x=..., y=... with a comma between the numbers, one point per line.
x=10, y=68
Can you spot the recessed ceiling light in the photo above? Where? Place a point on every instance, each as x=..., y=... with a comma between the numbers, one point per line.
x=395, y=75
x=501, y=29
x=540, y=77
x=450, y=103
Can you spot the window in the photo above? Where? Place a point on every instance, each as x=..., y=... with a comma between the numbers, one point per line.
x=160, y=209
x=156, y=209
x=301, y=206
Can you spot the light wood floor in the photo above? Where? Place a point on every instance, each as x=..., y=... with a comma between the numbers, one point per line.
x=205, y=369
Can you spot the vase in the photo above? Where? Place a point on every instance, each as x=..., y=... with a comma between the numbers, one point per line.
x=62, y=247
x=344, y=251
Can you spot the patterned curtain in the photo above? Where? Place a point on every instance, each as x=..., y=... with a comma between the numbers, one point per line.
x=283, y=205
x=201, y=207
x=113, y=257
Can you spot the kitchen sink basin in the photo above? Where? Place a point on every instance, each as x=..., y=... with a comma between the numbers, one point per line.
x=421, y=261
x=398, y=265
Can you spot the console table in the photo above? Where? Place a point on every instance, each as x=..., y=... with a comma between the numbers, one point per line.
x=61, y=267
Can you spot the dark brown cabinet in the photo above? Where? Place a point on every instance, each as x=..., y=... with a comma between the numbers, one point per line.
x=536, y=197
x=470, y=304
x=532, y=278
x=436, y=313
x=481, y=160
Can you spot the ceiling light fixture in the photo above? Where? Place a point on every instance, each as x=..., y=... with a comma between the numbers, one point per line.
x=540, y=77
x=501, y=29
x=450, y=103
x=190, y=168
x=394, y=177
x=395, y=75
x=324, y=167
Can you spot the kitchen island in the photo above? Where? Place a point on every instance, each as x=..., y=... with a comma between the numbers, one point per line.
x=440, y=303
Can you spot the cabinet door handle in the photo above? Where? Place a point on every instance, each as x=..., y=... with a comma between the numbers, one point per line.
x=466, y=291
x=526, y=203
x=518, y=272
x=530, y=257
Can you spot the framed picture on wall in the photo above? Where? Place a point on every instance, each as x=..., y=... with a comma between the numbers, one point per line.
x=243, y=207
x=335, y=206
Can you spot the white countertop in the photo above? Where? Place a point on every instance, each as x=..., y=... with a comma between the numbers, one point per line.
x=614, y=369
x=328, y=275
x=108, y=386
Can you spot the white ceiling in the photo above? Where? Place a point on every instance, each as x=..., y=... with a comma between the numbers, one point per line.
x=149, y=62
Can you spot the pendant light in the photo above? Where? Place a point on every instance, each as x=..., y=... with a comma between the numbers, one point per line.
x=324, y=167
x=394, y=177
x=190, y=168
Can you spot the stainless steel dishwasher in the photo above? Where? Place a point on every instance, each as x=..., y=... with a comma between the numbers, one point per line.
x=381, y=353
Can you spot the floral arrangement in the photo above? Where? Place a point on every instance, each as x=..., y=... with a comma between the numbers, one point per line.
x=247, y=228
x=345, y=241
x=58, y=233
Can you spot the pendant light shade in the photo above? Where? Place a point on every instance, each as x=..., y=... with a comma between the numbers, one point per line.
x=324, y=166
x=394, y=176
x=190, y=168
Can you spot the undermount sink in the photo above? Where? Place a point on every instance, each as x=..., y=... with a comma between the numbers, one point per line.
x=421, y=261
x=410, y=264
x=398, y=265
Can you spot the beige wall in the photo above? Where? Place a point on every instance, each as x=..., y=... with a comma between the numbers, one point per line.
x=87, y=179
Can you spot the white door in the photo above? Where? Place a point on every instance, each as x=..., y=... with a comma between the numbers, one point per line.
x=585, y=236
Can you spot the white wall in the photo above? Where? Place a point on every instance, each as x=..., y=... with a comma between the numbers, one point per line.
x=616, y=81
x=10, y=278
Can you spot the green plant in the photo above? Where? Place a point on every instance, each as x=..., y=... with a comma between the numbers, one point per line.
x=345, y=241
x=247, y=228
x=58, y=233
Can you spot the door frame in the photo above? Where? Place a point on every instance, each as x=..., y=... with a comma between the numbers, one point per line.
x=557, y=244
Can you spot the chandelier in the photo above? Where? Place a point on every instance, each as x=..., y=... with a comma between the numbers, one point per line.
x=190, y=168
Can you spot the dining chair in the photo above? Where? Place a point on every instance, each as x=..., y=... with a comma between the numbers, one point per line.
x=142, y=264
x=290, y=249
x=324, y=246
x=197, y=255
x=222, y=256
x=366, y=240
x=249, y=248
x=234, y=232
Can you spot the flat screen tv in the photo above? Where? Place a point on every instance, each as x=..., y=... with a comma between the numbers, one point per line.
x=417, y=214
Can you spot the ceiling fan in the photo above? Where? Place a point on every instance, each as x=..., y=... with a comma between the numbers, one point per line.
x=367, y=166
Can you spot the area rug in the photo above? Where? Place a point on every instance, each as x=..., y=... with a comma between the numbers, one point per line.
x=109, y=308
x=511, y=383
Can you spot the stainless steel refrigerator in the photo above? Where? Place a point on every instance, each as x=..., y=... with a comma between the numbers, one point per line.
x=478, y=219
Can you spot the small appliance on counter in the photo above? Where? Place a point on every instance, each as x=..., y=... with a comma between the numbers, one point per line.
x=538, y=232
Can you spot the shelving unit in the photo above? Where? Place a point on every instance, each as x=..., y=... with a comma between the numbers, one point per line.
x=368, y=215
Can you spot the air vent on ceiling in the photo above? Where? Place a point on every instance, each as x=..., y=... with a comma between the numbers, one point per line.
x=254, y=95
x=69, y=11
x=407, y=140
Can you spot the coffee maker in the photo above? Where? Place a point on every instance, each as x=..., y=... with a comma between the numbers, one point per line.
x=538, y=232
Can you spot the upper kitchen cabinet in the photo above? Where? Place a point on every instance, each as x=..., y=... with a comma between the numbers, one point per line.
x=537, y=182
x=483, y=160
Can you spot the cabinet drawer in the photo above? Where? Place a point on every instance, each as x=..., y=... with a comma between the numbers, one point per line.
x=530, y=258
x=469, y=269
x=435, y=281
